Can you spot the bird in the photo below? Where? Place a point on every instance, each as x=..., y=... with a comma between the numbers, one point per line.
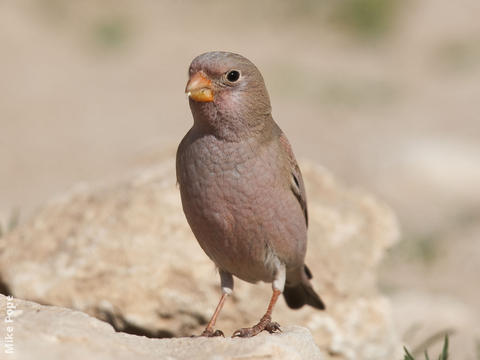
x=241, y=188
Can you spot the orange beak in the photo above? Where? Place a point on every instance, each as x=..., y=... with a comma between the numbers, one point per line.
x=199, y=88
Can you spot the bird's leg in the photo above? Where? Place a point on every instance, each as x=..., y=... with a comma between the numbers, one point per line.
x=209, y=330
x=266, y=322
x=226, y=280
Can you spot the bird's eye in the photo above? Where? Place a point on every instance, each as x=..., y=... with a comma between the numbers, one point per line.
x=233, y=75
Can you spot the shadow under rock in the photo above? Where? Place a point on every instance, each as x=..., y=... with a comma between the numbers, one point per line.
x=4, y=289
x=120, y=324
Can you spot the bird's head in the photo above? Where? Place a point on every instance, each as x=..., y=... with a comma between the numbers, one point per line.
x=227, y=93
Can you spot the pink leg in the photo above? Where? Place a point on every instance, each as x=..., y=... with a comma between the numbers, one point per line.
x=209, y=332
x=265, y=322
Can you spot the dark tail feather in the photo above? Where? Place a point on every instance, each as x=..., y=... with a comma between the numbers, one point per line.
x=303, y=294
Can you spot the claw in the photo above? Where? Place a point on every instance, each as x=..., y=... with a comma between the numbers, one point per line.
x=270, y=326
x=218, y=333
x=243, y=332
x=211, y=333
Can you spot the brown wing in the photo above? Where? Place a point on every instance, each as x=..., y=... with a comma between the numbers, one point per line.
x=296, y=183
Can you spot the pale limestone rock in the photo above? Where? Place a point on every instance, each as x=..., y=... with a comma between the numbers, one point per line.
x=55, y=333
x=123, y=252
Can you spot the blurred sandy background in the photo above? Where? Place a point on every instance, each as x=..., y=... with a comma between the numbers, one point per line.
x=386, y=94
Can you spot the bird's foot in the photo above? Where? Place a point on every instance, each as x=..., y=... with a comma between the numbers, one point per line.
x=212, y=333
x=265, y=323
